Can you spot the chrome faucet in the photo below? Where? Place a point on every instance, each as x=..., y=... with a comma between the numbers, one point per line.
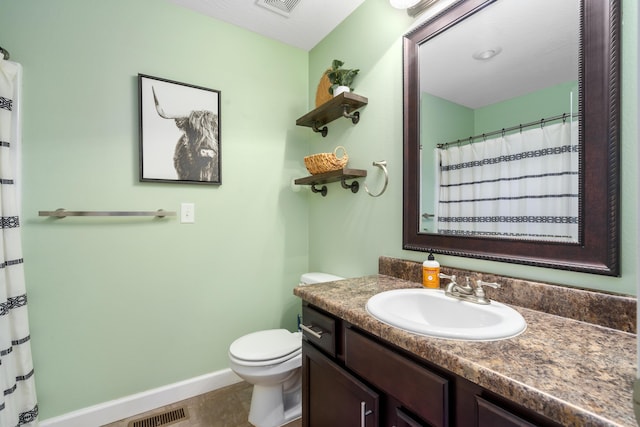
x=467, y=292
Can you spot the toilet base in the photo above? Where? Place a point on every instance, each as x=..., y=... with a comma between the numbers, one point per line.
x=276, y=405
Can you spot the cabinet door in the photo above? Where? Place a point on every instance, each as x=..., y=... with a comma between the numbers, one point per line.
x=405, y=420
x=423, y=392
x=490, y=415
x=333, y=397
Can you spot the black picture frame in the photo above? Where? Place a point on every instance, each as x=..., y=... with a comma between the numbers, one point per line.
x=179, y=132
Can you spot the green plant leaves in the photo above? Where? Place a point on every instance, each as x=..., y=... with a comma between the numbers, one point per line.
x=339, y=76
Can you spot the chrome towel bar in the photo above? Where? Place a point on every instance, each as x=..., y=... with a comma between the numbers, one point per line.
x=62, y=213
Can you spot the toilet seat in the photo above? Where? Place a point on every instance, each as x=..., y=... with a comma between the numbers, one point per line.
x=266, y=347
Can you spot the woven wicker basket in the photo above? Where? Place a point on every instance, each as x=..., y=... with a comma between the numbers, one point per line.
x=326, y=162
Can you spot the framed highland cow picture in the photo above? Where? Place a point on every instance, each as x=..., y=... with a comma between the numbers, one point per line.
x=179, y=132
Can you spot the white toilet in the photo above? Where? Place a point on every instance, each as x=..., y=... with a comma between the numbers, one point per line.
x=271, y=360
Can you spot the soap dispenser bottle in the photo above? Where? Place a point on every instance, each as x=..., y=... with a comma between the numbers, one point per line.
x=431, y=272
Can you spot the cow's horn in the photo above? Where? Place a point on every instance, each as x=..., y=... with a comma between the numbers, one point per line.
x=159, y=108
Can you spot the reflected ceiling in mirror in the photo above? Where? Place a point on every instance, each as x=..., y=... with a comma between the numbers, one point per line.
x=457, y=64
x=587, y=77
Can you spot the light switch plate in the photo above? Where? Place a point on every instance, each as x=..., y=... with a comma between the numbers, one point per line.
x=187, y=213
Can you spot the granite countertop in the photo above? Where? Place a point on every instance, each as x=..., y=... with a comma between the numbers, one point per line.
x=573, y=372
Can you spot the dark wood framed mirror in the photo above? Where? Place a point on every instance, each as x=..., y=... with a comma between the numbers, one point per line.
x=596, y=249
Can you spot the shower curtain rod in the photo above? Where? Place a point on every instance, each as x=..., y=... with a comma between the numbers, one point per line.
x=541, y=122
x=5, y=53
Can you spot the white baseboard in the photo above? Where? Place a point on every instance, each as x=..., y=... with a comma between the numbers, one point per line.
x=114, y=410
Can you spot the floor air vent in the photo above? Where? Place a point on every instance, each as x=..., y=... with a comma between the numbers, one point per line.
x=281, y=7
x=164, y=419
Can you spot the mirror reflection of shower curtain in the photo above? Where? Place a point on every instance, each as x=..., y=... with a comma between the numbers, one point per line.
x=522, y=185
x=18, y=403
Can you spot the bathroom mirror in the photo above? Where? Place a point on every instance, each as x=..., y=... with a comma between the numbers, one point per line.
x=591, y=97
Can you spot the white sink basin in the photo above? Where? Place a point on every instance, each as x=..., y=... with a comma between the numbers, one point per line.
x=430, y=312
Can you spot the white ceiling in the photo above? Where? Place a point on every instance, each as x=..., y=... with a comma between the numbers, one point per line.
x=308, y=23
x=538, y=38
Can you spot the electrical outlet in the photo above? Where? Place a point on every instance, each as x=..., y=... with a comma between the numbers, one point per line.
x=188, y=213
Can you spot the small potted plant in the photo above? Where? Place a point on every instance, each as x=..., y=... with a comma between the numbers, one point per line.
x=341, y=79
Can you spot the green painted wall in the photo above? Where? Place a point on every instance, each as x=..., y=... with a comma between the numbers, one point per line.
x=348, y=232
x=443, y=121
x=552, y=101
x=455, y=121
x=119, y=306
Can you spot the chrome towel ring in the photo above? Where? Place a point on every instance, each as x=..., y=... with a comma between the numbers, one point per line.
x=382, y=164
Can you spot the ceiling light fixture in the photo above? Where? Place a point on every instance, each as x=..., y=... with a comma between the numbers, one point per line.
x=485, y=55
x=414, y=7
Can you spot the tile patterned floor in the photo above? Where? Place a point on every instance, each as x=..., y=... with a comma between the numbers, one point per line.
x=226, y=407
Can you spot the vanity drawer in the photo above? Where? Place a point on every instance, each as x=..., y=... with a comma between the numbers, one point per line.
x=421, y=391
x=319, y=329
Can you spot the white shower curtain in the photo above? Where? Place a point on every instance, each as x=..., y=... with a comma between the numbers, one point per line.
x=18, y=403
x=521, y=186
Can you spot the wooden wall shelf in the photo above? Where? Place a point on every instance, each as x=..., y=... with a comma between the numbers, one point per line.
x=343, y=105
x=334, y=176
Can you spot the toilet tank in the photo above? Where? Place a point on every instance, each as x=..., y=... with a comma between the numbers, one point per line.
x=311, y=278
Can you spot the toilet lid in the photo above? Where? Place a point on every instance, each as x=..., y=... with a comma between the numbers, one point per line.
x=266, y=345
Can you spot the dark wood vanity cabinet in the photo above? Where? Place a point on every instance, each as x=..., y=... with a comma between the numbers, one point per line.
x=351, y=378
x=332, y=396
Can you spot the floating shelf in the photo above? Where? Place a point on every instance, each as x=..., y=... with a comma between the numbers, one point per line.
x=334, y=176
x=343, y=105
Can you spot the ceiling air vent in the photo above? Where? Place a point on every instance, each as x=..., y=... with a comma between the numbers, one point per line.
x=281, y=7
